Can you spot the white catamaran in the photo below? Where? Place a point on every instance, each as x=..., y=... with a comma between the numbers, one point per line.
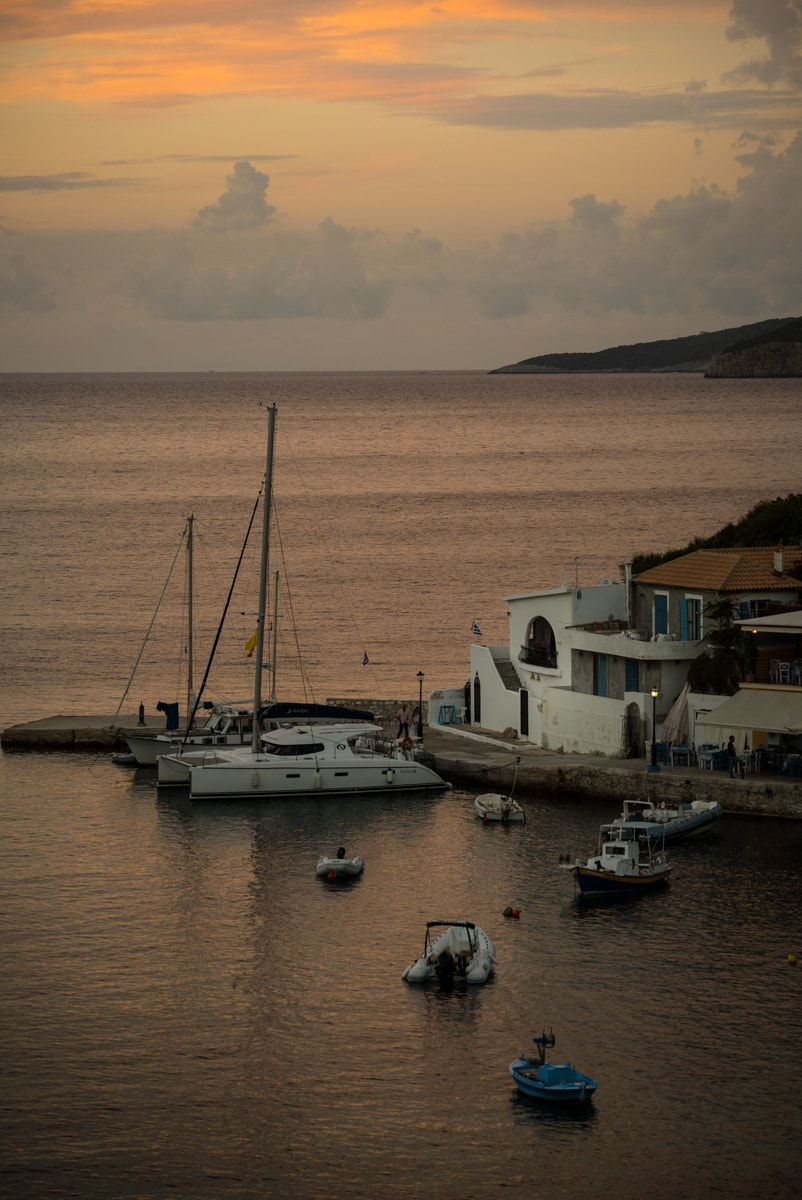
x=302, y=758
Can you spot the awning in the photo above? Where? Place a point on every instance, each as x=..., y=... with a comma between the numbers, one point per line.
x=778, y=623
x=772, y=710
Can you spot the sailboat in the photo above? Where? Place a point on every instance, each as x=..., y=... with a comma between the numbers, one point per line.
x=303, y=757
x=228, y=723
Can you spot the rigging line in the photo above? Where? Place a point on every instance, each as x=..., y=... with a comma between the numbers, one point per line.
x=332, y=565
x=304, y=677
x=150, y=627
x=220, y=627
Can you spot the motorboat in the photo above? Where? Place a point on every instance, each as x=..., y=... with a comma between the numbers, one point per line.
x=312, y=760
x=491, y=806
x=339, y=866
x=672, y=821
x=459, y=952
x=228, y=724
x=554, y=1083
x=627, y=861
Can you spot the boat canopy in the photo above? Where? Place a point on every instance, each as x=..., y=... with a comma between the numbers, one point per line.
x=285, y=710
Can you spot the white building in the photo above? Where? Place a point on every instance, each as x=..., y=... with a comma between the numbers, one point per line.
x=581, y=665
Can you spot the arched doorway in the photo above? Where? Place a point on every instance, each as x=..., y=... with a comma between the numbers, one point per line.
x=540, y=647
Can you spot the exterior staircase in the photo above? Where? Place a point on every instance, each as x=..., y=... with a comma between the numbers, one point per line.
x=508, y=675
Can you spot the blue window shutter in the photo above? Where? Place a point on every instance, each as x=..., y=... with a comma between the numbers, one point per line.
x=601, y=689
x=683, y=620
x=661, y=614
x=632, y=682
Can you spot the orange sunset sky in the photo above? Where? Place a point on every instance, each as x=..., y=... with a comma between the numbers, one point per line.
x=352, y=184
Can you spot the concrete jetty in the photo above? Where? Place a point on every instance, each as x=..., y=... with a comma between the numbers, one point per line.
x=482, y=760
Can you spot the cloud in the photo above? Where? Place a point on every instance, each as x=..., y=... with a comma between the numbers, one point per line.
x=276, y=276
x=779, y=24
x=703, y=252
x=618, y=109
x=24, y=285
x=69, y=181
x=242, y=205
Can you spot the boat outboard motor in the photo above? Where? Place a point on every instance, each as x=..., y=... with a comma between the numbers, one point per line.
x=445, y=968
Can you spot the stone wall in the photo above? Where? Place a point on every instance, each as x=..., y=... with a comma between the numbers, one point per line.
x=384, y=711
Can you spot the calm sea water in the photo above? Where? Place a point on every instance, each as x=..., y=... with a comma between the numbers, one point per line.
x=186, y=1009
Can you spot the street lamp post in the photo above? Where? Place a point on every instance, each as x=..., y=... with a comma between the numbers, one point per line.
x=420, y=705
x=654, y=766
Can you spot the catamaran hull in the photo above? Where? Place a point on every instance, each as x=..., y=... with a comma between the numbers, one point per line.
x=276, y=780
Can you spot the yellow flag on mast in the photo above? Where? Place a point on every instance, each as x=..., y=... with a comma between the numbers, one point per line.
x=250, y=645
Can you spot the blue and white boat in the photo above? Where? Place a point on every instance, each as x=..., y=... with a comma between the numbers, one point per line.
x=627, y=861
x=672, y=821
x=555, y=1083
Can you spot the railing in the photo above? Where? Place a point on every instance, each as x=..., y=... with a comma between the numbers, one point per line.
x=537, y=657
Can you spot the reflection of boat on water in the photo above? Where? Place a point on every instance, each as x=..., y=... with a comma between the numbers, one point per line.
x=555, y=1083
x=461, y=952
x=671, y=821
x=627, y=862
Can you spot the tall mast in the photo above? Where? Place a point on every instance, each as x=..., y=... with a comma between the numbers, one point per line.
x=260, y=638
x=190, y=652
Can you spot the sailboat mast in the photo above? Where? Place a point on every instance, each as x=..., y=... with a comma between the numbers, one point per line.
x=190, y=650
x=260, y=638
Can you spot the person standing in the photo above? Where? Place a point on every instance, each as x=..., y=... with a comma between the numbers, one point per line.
x=416, y=722
x=732, y=757
x=403, y=721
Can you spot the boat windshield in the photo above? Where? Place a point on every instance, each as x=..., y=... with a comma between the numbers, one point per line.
x=293, y=749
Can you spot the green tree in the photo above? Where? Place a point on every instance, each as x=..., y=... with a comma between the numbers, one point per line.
x=722, y=664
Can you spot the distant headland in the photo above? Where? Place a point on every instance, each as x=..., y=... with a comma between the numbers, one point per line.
x=767, y=349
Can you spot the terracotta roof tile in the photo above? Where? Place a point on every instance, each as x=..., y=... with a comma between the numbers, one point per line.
x=739, y=569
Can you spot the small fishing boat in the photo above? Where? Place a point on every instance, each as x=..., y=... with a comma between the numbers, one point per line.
x=460, y=952
x=555, y=1083
x=491, y=806
x=340, y=866
x=671, y=822
x=627, y=861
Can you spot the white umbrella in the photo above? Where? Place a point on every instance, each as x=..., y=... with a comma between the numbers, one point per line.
x=675, y=726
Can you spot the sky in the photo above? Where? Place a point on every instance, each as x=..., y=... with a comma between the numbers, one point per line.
x=385, y=185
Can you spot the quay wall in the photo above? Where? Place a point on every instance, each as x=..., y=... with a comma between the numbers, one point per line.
x=757, y=795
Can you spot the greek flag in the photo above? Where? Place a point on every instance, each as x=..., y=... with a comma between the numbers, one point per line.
x=476, y=630
x=365, y=660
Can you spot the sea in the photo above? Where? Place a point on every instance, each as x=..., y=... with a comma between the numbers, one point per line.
x=186, y=1010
